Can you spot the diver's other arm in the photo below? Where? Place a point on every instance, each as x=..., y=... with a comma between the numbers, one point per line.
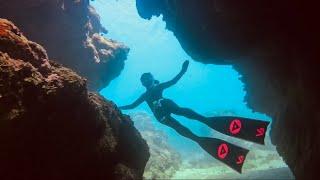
x=177, y=77
x=134, y=104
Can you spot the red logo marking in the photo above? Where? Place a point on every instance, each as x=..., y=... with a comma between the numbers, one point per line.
x=240, y=159
x=260, y=132
x=223, y=151
x=235, y=126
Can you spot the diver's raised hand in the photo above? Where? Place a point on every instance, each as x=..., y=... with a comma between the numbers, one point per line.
x=185, y=65
x=176, y=78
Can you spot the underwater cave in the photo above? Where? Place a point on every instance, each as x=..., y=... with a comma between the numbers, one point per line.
x=213, y=90
x=68, y=68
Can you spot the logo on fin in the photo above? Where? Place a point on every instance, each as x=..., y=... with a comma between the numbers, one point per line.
x=260, y=132
x=235, y=126
x=240, y=159
x=223, y=151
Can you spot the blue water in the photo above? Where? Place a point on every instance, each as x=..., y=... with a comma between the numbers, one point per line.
x=204, y=88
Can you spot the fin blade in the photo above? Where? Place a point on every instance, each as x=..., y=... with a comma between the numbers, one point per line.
x=244, y=128
x=229, y=154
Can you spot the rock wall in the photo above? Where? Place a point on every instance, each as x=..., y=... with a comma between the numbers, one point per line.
x=70, y=32
x=274, y=46
x=51, y=127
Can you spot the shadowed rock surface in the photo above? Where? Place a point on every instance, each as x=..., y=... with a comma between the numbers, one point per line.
x=69, y=31
x=273, y=45
x=51, y=127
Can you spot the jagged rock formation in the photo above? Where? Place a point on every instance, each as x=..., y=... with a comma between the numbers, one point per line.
x=69, y=31
x=51, y=127
x=164, y=160
x=274, y=46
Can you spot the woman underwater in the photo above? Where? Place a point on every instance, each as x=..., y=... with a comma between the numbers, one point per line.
x=239, y=127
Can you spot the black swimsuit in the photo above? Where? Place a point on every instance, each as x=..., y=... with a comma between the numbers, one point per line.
x=161, y=107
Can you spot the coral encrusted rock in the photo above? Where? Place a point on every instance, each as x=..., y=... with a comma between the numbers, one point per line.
x=71, y=32
x=51, y=127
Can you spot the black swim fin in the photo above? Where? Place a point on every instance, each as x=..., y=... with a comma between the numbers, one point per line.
x=230, y=154
x=243, y=128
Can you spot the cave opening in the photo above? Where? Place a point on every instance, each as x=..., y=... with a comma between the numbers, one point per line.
x=212, y=90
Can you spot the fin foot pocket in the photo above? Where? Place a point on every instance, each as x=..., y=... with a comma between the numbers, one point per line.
x=239, y=127
x=230, y=154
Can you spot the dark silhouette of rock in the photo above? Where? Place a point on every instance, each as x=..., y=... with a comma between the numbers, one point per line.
x=51, y=127
x=70, y=32
x=273, y=45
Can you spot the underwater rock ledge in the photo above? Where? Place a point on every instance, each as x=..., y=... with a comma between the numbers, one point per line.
x=70, y=32
x=273, y=45
x=51, y=127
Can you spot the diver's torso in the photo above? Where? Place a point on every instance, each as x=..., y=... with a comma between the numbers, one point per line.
x=156, y=102
x=153, y=94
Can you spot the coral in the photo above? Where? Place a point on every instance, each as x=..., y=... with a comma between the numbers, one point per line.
x=70, y=32
x=164, y=160
x=51, y=127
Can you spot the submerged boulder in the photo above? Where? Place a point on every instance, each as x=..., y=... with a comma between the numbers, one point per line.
x=69, y=30
x=51, y=127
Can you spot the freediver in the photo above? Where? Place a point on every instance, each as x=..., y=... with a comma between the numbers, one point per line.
x=239, y=127
x=163, y=107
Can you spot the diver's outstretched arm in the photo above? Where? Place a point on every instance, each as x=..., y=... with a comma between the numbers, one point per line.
x=177, y=77
x=134, y=104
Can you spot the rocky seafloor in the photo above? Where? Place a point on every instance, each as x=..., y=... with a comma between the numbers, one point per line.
x=52, y=127
x=164, y=159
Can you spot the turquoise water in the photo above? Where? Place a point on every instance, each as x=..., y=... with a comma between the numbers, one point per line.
x=204, y=88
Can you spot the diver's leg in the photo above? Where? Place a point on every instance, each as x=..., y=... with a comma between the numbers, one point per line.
x=171, y=122
x=189, y=113
x=172, y=107
x=186, y=112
